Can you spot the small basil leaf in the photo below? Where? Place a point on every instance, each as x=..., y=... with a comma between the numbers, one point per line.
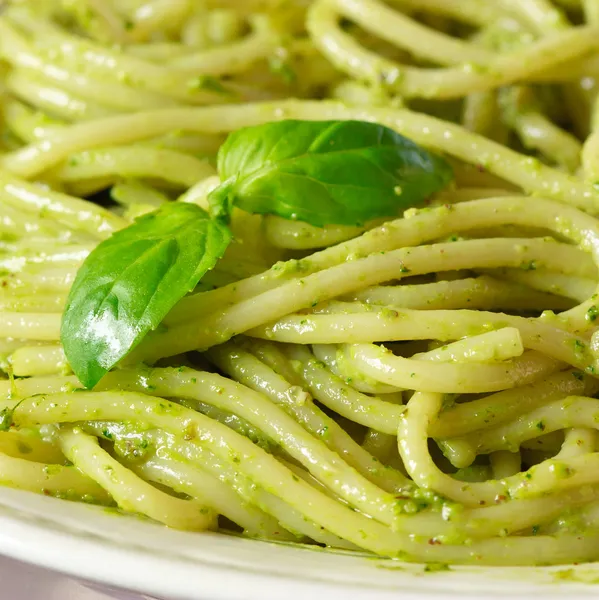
x=325, y=172
x=129, y=283
x=221, y=201
x=6, y=418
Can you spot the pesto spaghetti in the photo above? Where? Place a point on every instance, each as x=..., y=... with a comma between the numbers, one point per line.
x=316, y=271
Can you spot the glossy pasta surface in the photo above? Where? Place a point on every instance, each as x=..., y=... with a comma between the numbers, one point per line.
x=421, y=387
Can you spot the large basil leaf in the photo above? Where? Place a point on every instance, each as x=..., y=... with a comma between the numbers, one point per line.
x=325, y=172
x=128, y=284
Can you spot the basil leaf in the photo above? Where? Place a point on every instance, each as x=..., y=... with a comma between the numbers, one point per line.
x=129, y=283
x=6, y=418
x=325, y=172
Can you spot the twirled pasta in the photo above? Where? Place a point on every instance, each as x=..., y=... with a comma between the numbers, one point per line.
x=423, y=387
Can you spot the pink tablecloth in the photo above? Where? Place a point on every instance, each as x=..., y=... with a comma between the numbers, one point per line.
x=24, y=582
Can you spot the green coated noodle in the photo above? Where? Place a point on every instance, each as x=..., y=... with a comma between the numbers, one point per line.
x=71, y=212
x=40, y=303
x=525, y=172
x=239, y=365
x=300, y=236
x=591, y=11
x=550, y=417
x=505, y=464
x=473, y=12
x=41, y=93
x=484, y=293
x=38, y=361
x=417, y=229
x=420, y=40
x=568, y=286
x=234, y=58
x=115, y=66
x=349, y=56
x=367, y=325
x=336, y=362
x=480, y=113
x=385, y=538
x=169, y=165
x=228, y=474
x=195, y=483
x=537, y=131
x=130, y=492
x=504, y=406
x=342, y=279
x=113, y=95
x=540, y=14
x=577, y=441
x=50, y=479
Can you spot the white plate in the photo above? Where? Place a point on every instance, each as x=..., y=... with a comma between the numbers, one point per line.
x=89, y=542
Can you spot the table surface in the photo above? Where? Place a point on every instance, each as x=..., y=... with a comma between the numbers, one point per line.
x=26, y=582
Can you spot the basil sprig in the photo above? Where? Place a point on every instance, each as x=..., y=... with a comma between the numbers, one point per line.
x=130, y=282
x=321, y=172
x=325, y=172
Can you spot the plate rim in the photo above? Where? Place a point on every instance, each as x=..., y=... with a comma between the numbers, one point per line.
x=47, y=543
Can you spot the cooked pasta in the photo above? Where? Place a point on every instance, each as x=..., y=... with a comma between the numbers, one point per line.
x=419, y=382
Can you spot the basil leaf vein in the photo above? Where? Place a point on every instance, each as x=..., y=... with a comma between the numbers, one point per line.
x=325, y=172
x=130, y=282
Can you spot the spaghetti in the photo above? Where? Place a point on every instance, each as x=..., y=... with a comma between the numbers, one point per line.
x=421, y=387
